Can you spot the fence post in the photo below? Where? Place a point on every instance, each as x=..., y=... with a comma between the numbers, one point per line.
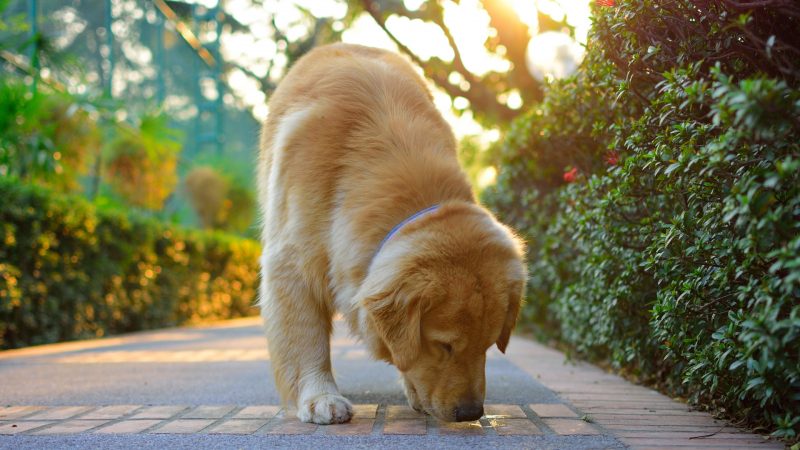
x=110, y=44
x=220, y=104
x=33, y=13
x=160, y=88
x=108, y=92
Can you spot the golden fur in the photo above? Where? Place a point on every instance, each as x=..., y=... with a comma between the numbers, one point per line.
x=353, y=145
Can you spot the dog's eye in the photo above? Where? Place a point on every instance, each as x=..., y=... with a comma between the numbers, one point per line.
x=446, y=347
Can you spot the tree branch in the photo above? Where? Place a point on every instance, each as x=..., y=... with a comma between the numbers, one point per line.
x=514, y=35
x=482, y=98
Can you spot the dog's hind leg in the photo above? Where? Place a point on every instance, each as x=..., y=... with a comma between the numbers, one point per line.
x=298, y=325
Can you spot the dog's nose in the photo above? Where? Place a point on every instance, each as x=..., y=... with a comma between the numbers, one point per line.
x=469, y=412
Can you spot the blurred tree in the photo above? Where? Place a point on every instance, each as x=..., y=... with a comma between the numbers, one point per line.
x=509, y=41
x=219, y=200
x=206, y=188
x=142, y=161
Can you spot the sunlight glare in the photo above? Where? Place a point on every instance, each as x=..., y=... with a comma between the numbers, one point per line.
x=553, y=55
x=526, y=11
x=324, y=8
x=423, y=38
x=487, y=177
x=514, y=100
x=469, y=24
x=365, y=31
x=413, y=5
x=578, y=14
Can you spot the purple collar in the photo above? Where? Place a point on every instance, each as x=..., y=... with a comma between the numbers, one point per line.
x=400, y=225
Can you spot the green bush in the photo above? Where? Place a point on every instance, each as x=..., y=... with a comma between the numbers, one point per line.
x=70, y=271
x=659, y=190
x=48, y=136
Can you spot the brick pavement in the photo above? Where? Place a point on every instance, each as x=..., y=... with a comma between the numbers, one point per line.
x=579, y=405
x=500, y=420
x=642, y=427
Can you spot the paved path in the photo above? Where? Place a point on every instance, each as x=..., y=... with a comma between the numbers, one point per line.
x=210, y=387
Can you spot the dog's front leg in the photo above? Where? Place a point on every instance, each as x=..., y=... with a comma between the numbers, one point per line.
x=298, y=330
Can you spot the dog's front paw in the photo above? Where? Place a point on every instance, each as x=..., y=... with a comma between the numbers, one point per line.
x=325, y=409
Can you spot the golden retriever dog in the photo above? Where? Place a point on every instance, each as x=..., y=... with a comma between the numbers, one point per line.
x=366, y=212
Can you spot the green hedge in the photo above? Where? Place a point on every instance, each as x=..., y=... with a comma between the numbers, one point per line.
x=69, y=271
x=659, y=191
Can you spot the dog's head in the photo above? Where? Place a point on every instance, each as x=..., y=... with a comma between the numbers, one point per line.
x=437, y=302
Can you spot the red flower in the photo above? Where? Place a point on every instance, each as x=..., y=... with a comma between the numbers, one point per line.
x=604, y=2
x=571, y=175
x=612, y=158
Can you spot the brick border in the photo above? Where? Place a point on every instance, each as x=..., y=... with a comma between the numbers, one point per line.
x=639, y=417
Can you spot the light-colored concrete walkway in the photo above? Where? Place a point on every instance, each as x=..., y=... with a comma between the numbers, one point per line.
x=208, y=387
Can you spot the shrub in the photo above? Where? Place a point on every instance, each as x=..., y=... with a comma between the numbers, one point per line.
x=143, y=160
x=219, y=201
x=70, y=271
x=659, y=190
x=45, y=137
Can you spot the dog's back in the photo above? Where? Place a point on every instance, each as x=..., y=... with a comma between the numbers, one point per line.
x=363, y=112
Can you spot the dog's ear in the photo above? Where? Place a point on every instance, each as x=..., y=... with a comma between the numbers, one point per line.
x=394, y=309
x=517, y=277
x=514, y=300
x=396, y=318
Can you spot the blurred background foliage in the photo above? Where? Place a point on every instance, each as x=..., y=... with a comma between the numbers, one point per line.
x=148, y=88
x=138, y=120
x=44, y=137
